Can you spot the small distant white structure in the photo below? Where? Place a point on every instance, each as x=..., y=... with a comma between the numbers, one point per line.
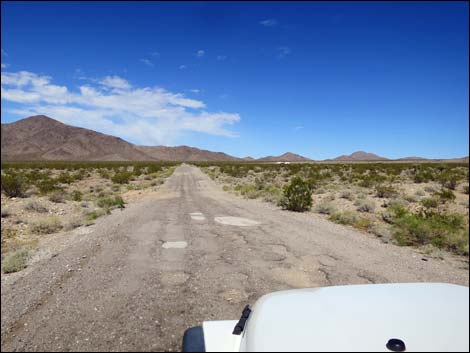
x=282, y=162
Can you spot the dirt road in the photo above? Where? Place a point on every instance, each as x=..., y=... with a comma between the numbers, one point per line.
x=139, y=277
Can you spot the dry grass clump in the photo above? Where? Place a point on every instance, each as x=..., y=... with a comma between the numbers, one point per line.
x=46, y=226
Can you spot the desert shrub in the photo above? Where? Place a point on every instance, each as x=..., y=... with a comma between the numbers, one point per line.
x=73, y=223
x=47, y=185
x=65, y=178
x=445, y=195
x=15, y=261
x=363, y=223
x=272, y=194
x=430, y=202
x=6, y=212
x=466, y=189
x=76, y=195
x=442, y=230
x=424, y=176
x=13, y=185
x=385, y=191
x=122, y=177
x=104, y=174
x=325, y=208
x=35, y=206
x=57, y=197
x=347, y=194
x=46, y=226
x=92, y=215
x=420, y=193
x=365, y=205
x=110, y=202
x=448, y=180
x=347, y=217
x=411, y=198
x=297, y=196
x=381, y=230
x=249, y=191
x=154, y=168
x=430, y=188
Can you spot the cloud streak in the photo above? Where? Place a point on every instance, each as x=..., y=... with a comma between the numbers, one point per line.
x=145, y=115
x=270, y=22
x=147, y=62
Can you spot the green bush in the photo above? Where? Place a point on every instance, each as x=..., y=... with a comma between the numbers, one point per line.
x=466, y=189
x=65, y=178
x=297, y=196
x=122, y=177
x=13, y=185
x=430, y=202
x=76, y=195
x=109, y=202
x=385, y=191
x=15, y=261
x=442, y=230
x=445, y=195
x=47, y=185
x=92, y=215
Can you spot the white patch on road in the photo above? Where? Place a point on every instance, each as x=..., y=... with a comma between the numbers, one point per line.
x=174, y=245
x=236, y=221
x=197, y=216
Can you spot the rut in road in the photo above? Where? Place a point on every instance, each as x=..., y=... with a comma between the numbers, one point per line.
x=124, y=285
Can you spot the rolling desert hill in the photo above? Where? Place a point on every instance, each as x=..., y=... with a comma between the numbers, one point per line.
x=360, y=156
x=42, y=138
x=286, y=157
x=184, y=153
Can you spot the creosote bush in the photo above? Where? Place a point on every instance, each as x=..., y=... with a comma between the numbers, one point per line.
x=13, y=185
x=46, y=226
x=122, y=177
x=15, y=261
x=297, y=196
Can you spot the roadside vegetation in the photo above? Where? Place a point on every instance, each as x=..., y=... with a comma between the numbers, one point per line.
x=40, y=198
x=409, y=204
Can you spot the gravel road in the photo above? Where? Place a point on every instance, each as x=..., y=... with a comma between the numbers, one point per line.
x=187, y=253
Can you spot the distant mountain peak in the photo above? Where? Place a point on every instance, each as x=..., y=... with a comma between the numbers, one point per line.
x=286, y=157
x=360, y=156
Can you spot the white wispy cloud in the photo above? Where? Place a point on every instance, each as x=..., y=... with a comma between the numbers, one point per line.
x=297, y=128
x=115, y=82
x=146, y=115
x=5, y=65
x=221, y=57
x=270, y=22
x=155, y=54
x=195, y=90
x=283, y=51
x=182, y=67
x=4, y=53
x=200, y=53
x=146, y=62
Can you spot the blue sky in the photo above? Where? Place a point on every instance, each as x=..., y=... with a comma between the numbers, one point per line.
x=320, y=79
